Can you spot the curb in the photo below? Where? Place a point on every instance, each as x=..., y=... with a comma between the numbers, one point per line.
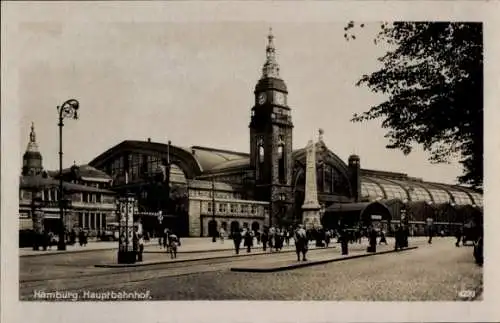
x=163, y=262
x=56, y=252
x=313, y=263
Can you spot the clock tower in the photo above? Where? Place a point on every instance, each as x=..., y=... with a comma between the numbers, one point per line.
x=271, y=141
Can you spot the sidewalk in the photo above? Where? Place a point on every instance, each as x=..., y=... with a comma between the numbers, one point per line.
x=188, y=245
x=157, y=256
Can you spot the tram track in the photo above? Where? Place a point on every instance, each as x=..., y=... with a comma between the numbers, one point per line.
x=114, y=277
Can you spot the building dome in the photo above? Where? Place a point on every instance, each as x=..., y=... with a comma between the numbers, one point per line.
x=32, y=159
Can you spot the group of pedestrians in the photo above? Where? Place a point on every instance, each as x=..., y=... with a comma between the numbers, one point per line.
x=272, y=238
x=47, y=239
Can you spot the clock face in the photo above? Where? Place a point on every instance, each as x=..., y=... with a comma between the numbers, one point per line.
x=262, y=98
x=280, y=98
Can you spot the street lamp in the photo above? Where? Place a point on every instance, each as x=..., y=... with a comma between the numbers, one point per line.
x=214, y=231
x=68, y=109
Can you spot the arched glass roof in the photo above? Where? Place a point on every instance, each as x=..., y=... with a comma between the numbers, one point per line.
x=371, y=191
x=478, y=199
x=461, y=198
x=393, y=191
x=417, y=192
x=439, y=195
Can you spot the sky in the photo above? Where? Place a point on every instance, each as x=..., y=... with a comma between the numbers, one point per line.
x=192, y=83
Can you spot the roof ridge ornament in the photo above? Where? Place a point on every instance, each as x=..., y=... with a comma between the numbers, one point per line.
x=321, y=132
x=32, y=144
x=32, y=133
x=271, y=67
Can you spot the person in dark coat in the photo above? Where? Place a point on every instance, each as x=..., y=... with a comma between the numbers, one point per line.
x=373, y=240
x=248, y=240
x=458, y=236
x=72, y=237
x=343, y=238
x=237, y=240
x=81, y=237
x=264, y=238
x=398, y=238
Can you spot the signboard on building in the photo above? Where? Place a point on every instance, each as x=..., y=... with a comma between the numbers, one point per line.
x=376, y=217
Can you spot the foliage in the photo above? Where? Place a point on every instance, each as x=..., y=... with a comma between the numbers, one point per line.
x=433, y=78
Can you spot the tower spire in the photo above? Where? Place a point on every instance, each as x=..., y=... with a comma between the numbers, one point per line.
x=32, y=145
x=271, y=67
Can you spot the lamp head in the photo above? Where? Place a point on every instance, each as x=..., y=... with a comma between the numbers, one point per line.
x=74, y=106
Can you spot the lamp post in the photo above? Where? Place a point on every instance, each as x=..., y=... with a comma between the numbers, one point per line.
x=69, y=109
x=214, y=231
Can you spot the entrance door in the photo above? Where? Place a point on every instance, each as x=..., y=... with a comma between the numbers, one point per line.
x=212, y=228
x=255, y=226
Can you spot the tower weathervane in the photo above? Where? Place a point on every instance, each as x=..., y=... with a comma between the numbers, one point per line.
x=320, y=134
x=271, y=67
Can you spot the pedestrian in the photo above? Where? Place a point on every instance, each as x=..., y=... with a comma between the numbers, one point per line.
x=237, y=240
x=458, y=236
x=344, y=241
x=165, y=238
x=372, y=240
x=301, y=242
x=406, y=233
x=271, y=238
x=72, y=237
x=431, y=233
x=398, y=238
x=141, y=247
x=264, y=238
x=173, y=241
x=328, y=236
x=85, y=238
x=382, y=237
x=248, y=240
x=81, y=237
x=222, y=234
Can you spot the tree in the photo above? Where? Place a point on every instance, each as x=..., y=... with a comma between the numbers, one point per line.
x=433, y=78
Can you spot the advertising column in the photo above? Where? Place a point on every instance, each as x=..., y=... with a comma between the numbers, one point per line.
x=126, y=252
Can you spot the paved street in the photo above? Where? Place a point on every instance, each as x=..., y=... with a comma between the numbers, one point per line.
x=431, y=272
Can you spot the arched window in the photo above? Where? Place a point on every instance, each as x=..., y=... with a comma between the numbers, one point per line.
x=281, y=163
x=260, y=157
x=261, y=154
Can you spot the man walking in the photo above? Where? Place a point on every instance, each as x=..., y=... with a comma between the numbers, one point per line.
x=301, y=242
x=237, y=240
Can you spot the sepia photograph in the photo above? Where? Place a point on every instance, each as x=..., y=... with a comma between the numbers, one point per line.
x=249, y=160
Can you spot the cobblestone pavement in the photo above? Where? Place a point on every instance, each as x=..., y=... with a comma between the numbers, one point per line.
x=432, y=272
x=64, y=265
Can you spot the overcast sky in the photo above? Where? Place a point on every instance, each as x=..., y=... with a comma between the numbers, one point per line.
x=192, y=83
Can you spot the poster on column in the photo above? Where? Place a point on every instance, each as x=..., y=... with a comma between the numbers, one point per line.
x=126, y=220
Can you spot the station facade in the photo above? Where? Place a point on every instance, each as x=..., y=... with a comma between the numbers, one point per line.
x=197, y=190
